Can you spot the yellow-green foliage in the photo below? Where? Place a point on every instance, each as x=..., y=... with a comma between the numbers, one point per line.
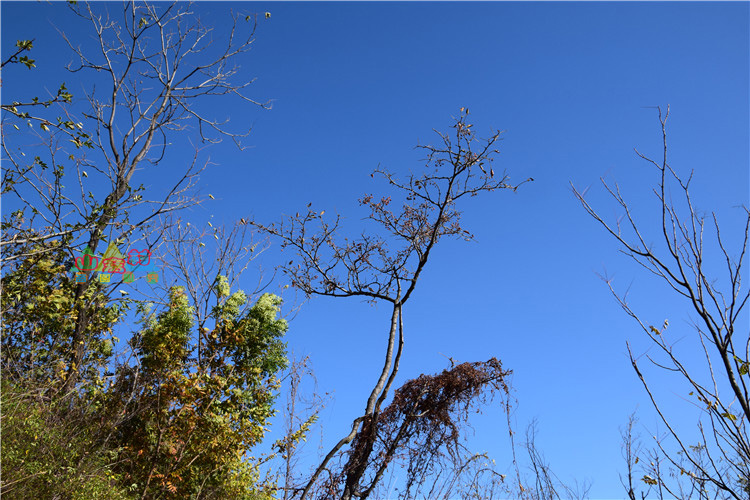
x=195, y=417
x=178, y=421
x=46, y=455
x=39, y=317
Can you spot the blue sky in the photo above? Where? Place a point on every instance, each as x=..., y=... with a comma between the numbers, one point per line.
x=574, y=85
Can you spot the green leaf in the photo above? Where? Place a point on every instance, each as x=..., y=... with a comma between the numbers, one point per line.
x=744, y=365
x=27, y=61
x=649, y=480
x=25, y=44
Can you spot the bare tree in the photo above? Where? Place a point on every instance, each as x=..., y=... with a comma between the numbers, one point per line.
x=385, y=265
x=542, y=483
x=631, y=453
x=150, y=67
x=718, y=465
x=300, y=414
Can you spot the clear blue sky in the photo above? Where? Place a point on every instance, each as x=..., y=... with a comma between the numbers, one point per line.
x=357, y=85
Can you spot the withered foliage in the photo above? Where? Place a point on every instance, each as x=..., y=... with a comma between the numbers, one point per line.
x=421, y=429
x=384, y=264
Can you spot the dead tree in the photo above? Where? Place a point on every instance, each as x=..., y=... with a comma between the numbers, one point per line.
x=718, y=465
x=385, y=265
x=543, y=483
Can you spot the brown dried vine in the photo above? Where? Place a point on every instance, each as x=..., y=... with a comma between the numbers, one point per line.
x=421, y=427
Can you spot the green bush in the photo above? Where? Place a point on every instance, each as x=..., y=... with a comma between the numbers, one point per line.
x=50, y=452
